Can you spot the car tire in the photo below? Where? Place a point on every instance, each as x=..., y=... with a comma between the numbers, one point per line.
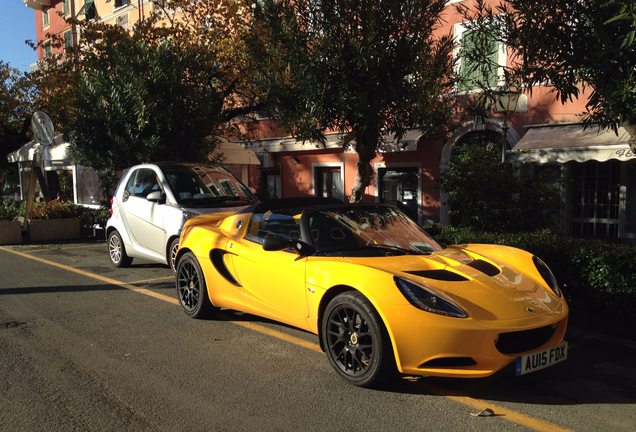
x=356, y=341
x=172, y=254
x=117, y=250
x=191, y=288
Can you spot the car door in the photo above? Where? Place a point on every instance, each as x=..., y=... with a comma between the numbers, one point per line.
x=275, y=278
x=144, y=219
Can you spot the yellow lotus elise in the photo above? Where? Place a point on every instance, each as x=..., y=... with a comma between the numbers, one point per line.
x=378, y=291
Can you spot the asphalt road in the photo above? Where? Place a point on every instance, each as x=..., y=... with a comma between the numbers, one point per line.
x=85, y=346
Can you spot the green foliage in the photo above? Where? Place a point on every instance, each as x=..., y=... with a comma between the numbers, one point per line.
x=357, y=67
x=17, y=102
x=141, y=102
x=598, y=278
x=10, y=209
x=486, y=194
x=571, y=45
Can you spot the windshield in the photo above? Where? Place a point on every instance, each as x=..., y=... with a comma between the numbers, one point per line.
x=204, y=184
x=367, y=231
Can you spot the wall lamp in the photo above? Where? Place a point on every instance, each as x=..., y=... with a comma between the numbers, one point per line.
x=294, y=161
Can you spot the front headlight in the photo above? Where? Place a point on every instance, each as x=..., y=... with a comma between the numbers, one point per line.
x=427, y=300
x=187, y=215
x=547, y=275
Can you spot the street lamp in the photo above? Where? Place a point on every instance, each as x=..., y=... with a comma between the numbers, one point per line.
x=509, y=101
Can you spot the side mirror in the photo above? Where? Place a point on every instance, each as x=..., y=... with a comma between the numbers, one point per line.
x=279, y=243
x=157, y=197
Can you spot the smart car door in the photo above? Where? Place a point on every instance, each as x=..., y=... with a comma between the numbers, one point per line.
x=143, y=218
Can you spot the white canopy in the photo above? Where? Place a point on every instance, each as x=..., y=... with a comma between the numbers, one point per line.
x=572, y=143
x=57, y=151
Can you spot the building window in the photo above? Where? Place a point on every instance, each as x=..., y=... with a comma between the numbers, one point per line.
x=68, y=38
x=595, y=199
x=271, y=181
x=66, y=7
x=475, y=75
x=89, y=9
x=47, y=49
x=119, y=3
x=328, y=181
x=45, y=17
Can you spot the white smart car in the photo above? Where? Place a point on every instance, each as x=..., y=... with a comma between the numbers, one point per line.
x=153, y=201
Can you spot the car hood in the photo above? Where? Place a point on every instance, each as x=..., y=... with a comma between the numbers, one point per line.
x=489, y=282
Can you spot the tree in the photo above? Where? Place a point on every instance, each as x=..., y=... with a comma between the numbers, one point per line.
x=17, y=99
x=163, y=91
x=359, y=67
x=570, y=45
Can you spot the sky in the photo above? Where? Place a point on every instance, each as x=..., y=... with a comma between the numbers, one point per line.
x=17, y=24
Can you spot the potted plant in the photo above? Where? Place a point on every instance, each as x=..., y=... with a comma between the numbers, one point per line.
x=10, y=226
x=54, y=220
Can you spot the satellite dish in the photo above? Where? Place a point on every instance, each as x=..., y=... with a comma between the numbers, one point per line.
x=42, y=128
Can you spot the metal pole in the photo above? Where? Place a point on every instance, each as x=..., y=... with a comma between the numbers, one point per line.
x=504, y=141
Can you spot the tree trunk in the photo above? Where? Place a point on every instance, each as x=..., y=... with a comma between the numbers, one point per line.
x=366, y=145
x=631, y=129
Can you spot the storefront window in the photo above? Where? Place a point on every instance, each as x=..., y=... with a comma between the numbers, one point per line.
x=89, y=190
x=399, y=187
x=630, y=199
x=596, y=199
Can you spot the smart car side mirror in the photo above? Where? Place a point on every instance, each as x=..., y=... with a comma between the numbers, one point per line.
x=156, y=196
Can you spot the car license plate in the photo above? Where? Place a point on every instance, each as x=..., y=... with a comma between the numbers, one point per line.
x=541, y=359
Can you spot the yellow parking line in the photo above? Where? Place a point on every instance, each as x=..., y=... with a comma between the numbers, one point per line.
x=479, y=404
x=53, y=247
x=95, y=276
x=152, y=280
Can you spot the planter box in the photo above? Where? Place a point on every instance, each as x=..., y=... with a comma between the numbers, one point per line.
x=53, y=229
x=10, y=232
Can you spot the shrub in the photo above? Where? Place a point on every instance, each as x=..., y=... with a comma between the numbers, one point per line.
x=53, y=210
x=9, y=209
x=488, y=195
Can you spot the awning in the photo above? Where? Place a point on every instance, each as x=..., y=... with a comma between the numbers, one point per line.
x=332, y=140
x=58, y=151
x=571, y=143
x=235, y=153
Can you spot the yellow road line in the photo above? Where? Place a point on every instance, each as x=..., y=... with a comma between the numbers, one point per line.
x=479, y=404
x=96, y=276
x=152, y=280
x=53, y=247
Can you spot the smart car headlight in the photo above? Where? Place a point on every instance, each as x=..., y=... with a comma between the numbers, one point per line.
x=427, y=300
x=547, y=275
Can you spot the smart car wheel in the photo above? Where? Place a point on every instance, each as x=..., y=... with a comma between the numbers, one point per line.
x=172, y=254
x=356, y=341
x=191, y=288
x=117, y=250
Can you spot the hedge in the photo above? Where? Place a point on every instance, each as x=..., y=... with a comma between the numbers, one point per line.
x=597, y=277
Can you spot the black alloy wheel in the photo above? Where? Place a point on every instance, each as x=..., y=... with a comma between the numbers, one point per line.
x=117, y=250
x=191, y=288
x=356, y=341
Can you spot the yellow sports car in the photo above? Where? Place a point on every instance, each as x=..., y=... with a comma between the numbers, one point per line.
x=377, y=290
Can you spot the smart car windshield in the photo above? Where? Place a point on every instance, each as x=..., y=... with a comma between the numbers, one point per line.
x=368, y=231
x=193, y=184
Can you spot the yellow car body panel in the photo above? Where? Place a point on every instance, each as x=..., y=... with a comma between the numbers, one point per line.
x=292, y=289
